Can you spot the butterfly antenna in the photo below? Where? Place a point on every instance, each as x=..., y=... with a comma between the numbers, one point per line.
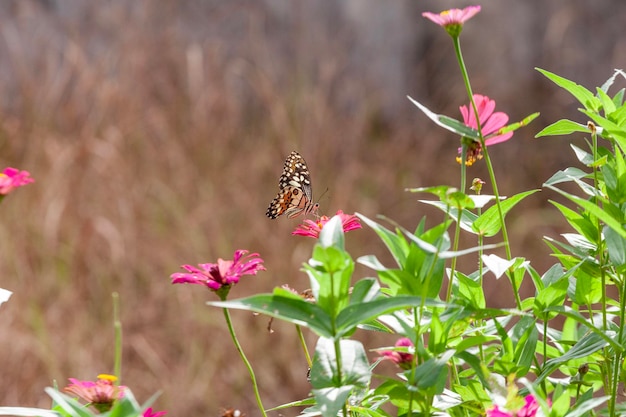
x=320, y=197
x=318, y=201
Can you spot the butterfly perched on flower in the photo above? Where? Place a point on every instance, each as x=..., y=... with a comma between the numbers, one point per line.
x=295, y=194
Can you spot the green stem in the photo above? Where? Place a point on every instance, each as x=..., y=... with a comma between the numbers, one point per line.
x=492, y=176
x=245, y=361
x=336, y=341
x=303, y=344
x=596, y=183
x=117, y=328
x=455, y=247
x=457, y=228
x=609, y=377
x=618, y=355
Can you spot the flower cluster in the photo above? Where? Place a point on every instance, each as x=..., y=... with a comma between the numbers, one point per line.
x=151, y=413
x=12, y=178
x=529, y=409
x=490, y=123
x=452, y=20
x=313, y=229
x=403, y=354
x=222, y=275
x=100, y=394
x=103, y=393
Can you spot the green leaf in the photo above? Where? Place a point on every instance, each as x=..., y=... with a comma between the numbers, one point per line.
x=448, y=123
x=551, y=295
x=583, y=156
x=616, y=246
x=299, y=403
x=588, y=289
x=607, y=102
x=27, y=412
x=525, y=344
x=586, y=346
x=432, y=374
x=572, y=175
x=331, y=392
x=563, y=127
x=579, y=318
x=610, y=129
x=438, y=190
x=291, y=309
x=588, y=406
x=366, y=289
x=358, y=313
x=443, y=254
x=609, y=82
x=618, y=98
x=488, y=224
x=594, y=210
x=468, y=290
x=332, y=234
x=584, y=96
x=355, y=369
x=514, y=126
x=475, y=363
x=567, y=175
x=330, y=271
x=467, y=217
x=396, y=244
x=580, y=223
x=331, y=400
x=459, y=200
x=68, y=404
x=126, y=406
x=4, y=295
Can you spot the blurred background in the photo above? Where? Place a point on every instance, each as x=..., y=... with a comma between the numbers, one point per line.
x=157, y=130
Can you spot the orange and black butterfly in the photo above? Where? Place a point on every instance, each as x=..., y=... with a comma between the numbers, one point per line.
x=295, y=195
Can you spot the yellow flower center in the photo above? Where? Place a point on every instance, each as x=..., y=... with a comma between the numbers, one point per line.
x=107, y=377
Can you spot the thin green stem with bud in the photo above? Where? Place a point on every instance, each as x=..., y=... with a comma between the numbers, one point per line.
x=492, y=177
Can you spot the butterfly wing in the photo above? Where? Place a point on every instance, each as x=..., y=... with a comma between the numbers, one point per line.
x=295, y=191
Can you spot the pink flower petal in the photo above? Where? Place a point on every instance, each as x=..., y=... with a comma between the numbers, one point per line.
x=496, y=122
x=452, y=16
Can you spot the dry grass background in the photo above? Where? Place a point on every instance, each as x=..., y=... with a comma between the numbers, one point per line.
x=156, y=131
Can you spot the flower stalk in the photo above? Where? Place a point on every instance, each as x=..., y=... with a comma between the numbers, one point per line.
x=492, y=176
x=245, y=360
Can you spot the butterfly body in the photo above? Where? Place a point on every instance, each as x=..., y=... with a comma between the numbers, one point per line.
x=295, y=194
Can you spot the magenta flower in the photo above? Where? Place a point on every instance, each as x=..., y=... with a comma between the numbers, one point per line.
x=528, y=410
x=223, y=274
x=452, y=20
x=313, y=228
x=150, y=413
x=490, y=124
x=100, y=394
x=12, y=178
x=402, y=356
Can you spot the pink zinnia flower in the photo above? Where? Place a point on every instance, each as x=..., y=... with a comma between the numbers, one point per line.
x=403, y=356
x=223, y=274
x=150, y=413
x=490, y=123
x=100, y=394
x=313, y=228
x=528, y=410
x=12, y=178
x=452, y=20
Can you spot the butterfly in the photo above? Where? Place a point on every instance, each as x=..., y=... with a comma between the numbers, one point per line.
x=295, y=194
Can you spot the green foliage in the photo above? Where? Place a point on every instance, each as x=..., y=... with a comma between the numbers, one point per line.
x=462, y=355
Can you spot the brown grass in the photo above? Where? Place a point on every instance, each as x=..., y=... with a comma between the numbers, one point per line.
x=156, y=132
